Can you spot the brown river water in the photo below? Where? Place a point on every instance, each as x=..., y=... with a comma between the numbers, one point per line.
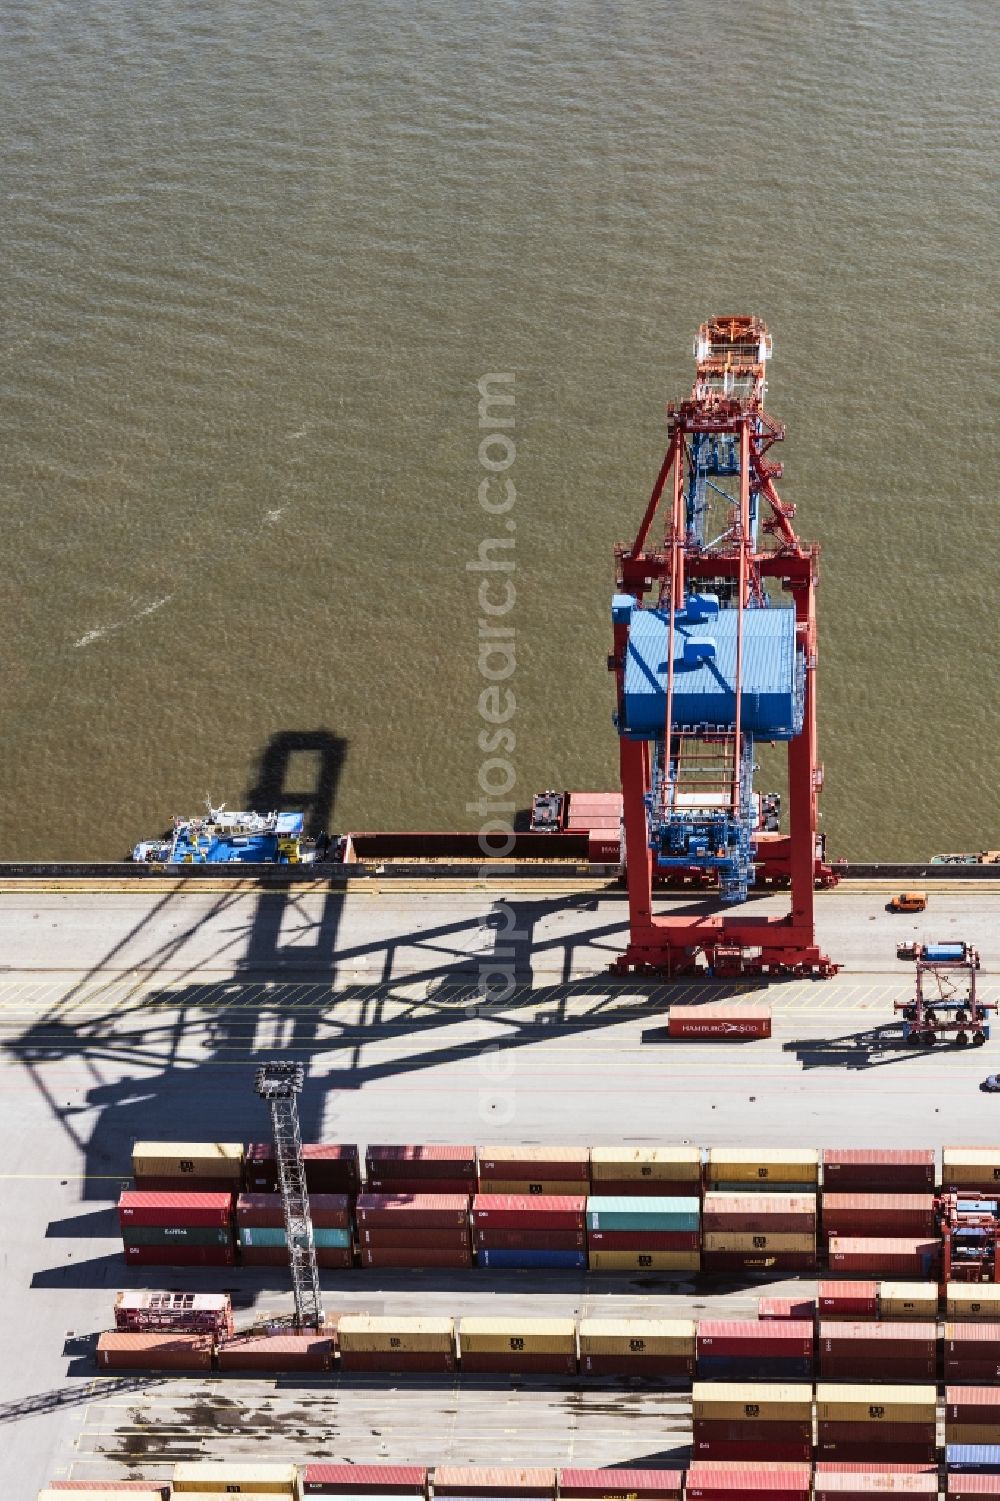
x=255, y=260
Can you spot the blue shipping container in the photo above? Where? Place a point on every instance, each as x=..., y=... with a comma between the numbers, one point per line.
x=633, y=1213
x=982, y=1459
x=528, y=1259
x=759, y=1367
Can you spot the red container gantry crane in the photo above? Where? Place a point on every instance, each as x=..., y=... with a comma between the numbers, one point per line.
x=716, y=658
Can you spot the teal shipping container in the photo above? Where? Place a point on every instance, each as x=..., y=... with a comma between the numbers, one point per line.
x=324, y=1240
x=635, y=1213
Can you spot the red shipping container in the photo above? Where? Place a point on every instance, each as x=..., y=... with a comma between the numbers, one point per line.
x=861, y=1449
x=617, y=1485
x=394, y=1360
x=965, y=1487
x=750, y=1485
x=886, y=1256
x=857, y=1214
x=750, y=1451
x=643, y=1240
x=525, y=1212
x=276, y=1352
x=848, y=1300
x=207, y=1210
x=179, y=1255
x=331, y=1167
x=792, y=1340
x=529, y=1240
x=670, y=1367
x=855, y=1467
x=889, y=1339
x=334, y=1257
x=423, y=1211
x=265, y=1256
x=854, y=1487
x=757, y=1261
x=176, y=1183
x=144, y=1487
x=972, y=1404
x=719, y=1020
x=265, y=1211
x=787, y=1308
x=155, y=1352
x=509, y=1360
x=389, y=1256
x=362, y=1480
x=571, y=1166
x=426, y=1186
x=875, y=1367
x=878, y=1169
x=431, y=1161
x=768, y=1214
x=489, y=1480
x=411, y=1238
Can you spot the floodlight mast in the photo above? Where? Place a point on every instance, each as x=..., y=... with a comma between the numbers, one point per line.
x=279, y=1085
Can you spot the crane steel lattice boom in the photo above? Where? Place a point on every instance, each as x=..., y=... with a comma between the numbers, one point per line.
x=279, y=1084
x=714, y=662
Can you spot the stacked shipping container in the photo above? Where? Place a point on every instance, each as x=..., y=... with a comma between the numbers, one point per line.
x=522, y=1230
x=235, y=1476
x=475, y=1480
x=421, y=1170
x=518, y=1344
x=260, y=1227
x=895, y=1424
x=971, y=1414
x=653, y=1348
x=972, y=1353
x=414, y=1230
x=178, y=1166
x=756, y=1482
x=331, y=1168
x=363, y=1480
x=748, y=1422
x=664, y=1172
x=639, y=1233
x=878, y=1352
x=612, y=1485
x=751, y=1230
x=176, y=1229
x=546, y=1171
x=381, y=1343
x=734, y=1350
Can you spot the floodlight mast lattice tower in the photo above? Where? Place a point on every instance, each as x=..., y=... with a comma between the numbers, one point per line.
x=697, y=680
x=279, y=1085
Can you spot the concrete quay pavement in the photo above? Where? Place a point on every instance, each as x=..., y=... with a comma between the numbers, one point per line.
x=143, y=1012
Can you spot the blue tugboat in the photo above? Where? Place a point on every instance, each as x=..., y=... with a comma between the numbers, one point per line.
x=222, y=838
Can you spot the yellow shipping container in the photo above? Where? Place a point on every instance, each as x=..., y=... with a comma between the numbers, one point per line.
x=767, y=1401
x=364, y=1331
x=763, y=1164
x=521, y=1153
x=882, y=1404
x=973, y=1300
x=970, y=1165
x=644, y=1261
x=676, y=1164
x=533, y=1336
x=235, y=1477
x=550, y=1187
x=733, y=1240
x=908, y=1300
x=637, y=1337
x=187, y=1159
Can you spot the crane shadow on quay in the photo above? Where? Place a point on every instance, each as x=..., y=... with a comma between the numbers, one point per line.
x=873, y=1047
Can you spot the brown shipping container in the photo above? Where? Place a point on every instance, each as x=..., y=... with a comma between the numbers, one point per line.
x=878, y=1435
x=396, y=1256
x=204, y=1210
x=424, y=1211
x=720, y=1020
x=189, y=1160
x=889, y=1255
x=529, y=1240
x=483, y=1480
x=277, y=1352
x=334, y=1257
x=874, y=1366
x=644, y=1261
x=621, y=1485
x=972, y=1353
x=179, y=1255
x=414, y=1239
x=521, y=1212
x=157, y=1183
x=848, y=1300
x=267, y=1256
x=731, y=1430
x=634, y=1165
x=646, y=1188
x=878, y=1169
x=564, y=1163
x=853, y=1214
x=397, y=1360
x=757, y=1261
x=770, y=1213
x=383, y=1184
x=747, y=1451
x=507, y=1360
x=547, y=1188
x=154, y=1352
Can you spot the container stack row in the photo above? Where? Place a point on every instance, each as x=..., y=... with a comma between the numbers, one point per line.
x=414, y=1230
x=966, y=1476
x=520, y=1230
x=260, y=1229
